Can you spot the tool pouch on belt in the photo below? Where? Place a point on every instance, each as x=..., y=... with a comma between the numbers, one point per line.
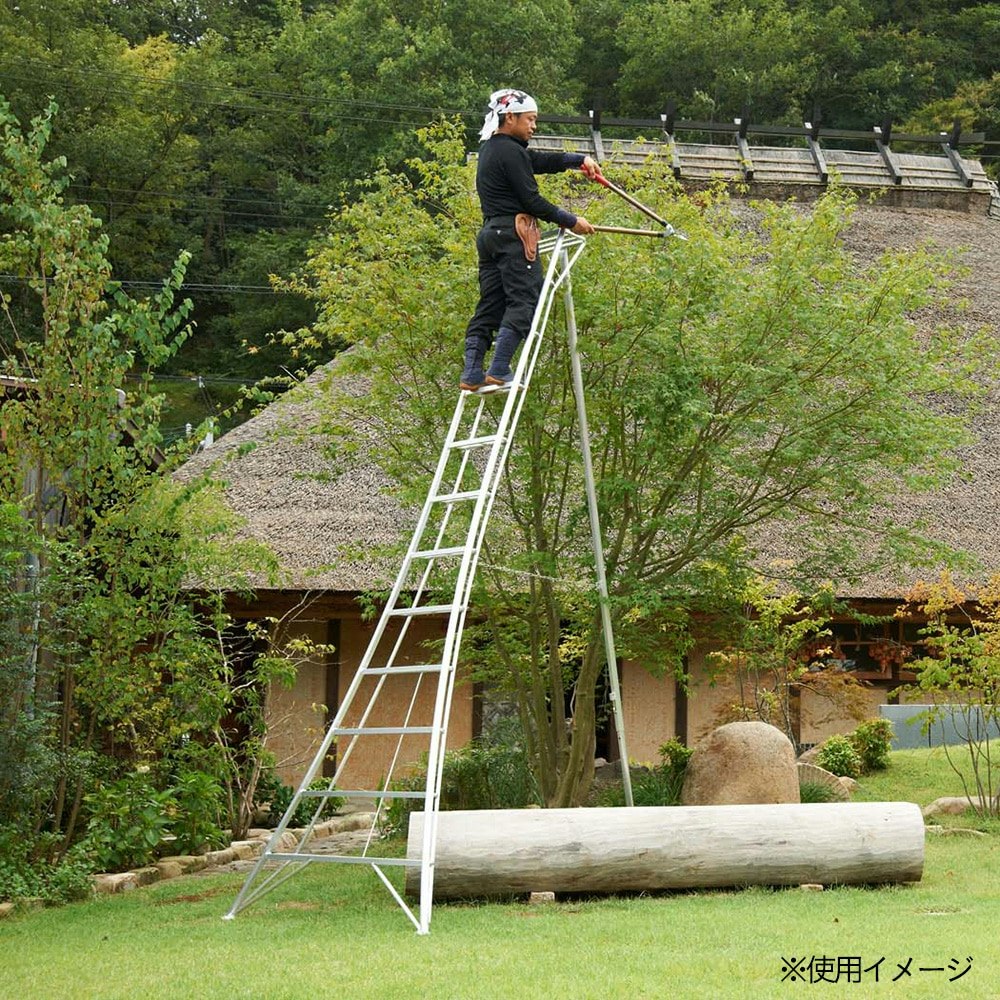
x=526, y=227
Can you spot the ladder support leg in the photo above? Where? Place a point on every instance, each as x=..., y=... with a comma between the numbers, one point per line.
x=596, y=541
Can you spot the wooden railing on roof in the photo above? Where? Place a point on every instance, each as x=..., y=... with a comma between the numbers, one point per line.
x=810, y=164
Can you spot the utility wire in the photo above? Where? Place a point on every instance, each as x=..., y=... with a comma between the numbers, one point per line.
x=186, y=287
x=311, y=100
x=426, y=114
x=211, y=200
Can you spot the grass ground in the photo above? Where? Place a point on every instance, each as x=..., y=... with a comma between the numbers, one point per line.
x=335, y=930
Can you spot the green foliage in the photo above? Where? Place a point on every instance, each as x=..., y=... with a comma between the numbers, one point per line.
x=481, y=775
x=109, y=659
x=756, y=377
x=839, y=756
x=761, y=658
x=196, y=813
x=24, y=875
x=873, y=742
x=675, y=756
x=128, y=820
x=815, y=791
x=659, y=785
x=960, y=676
x=231, y=128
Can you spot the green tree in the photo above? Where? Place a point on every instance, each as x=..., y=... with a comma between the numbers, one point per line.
x=975, y=105
x=858, y=61
x=753, y=379
x=771, y=653
x=961, y=676
x=114, y=660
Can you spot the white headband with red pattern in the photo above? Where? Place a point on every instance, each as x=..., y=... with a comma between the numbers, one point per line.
x=503, y=102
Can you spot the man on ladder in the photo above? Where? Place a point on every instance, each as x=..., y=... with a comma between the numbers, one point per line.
x=510, y=276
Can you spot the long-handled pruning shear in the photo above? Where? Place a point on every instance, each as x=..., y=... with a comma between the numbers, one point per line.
x=668, y=230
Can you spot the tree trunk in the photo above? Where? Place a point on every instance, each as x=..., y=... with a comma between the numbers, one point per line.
x=504, y=851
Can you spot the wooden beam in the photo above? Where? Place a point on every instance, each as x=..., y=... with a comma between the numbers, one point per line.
x=694, y=125
x=504, y=851
x=746, y=160
x=595, y=135
x=949, y=143
x=816, y=151
x=888, y=157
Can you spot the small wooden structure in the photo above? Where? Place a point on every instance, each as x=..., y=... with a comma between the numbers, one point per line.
x=509, y=851
x=801, y=162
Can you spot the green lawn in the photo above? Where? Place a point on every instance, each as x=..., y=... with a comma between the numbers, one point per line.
x=334, y=930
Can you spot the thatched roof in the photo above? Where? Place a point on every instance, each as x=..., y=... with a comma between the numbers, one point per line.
x=314, y=510
x=318, y=513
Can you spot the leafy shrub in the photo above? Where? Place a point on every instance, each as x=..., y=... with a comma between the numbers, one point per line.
x=281, y=799
x=481, y=775
x=655, y=786
x=195, y=820
x=22, y=876
x=873, y=741
x=816, y=791
x=128, y=820
x=837, y=755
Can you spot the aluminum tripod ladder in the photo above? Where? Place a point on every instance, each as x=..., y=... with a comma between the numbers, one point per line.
x=449, y=534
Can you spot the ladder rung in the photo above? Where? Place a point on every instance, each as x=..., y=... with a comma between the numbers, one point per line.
x=351, y=859
x=423, y=609
x=457, y=497
x=383, y=730
x=405, y=668
x=466, y=444
x=455, y=550
x=362, y=793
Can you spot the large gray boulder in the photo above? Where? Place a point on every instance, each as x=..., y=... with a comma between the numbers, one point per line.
x=740, y=764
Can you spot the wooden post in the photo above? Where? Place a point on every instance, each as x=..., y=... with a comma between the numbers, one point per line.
x=509, y=851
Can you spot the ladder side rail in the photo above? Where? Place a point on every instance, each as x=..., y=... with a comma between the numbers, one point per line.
x=349, y=696
x=511, y=416
x=597, y=542
x=414, y=545
x=369, y=654
x=463, y=464
x=494, y=468
x=498, y=457
x=483, y=506
x=539, y=325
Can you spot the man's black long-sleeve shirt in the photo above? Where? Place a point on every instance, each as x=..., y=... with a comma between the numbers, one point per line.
x=505, y=179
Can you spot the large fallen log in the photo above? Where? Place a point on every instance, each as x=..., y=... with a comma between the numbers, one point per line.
x=506, y=851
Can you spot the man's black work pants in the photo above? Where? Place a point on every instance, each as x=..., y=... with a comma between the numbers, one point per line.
x=509, y=284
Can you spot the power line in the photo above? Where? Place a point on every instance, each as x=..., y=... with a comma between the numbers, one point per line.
x=313, y=100
x=302, y=107
x=186, y=286
x=211, y=199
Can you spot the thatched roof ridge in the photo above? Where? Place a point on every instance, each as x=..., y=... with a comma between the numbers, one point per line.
x=930, y=180
x=316, y=511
